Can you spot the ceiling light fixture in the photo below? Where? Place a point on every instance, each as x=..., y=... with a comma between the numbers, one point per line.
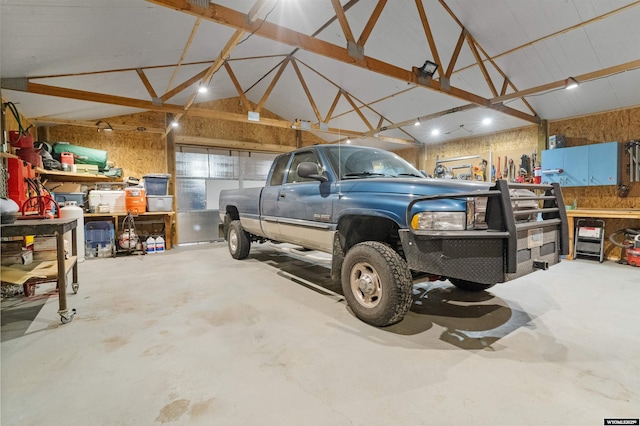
x=103, y=126
x=571, y=83
x=417, y=123
x=428, y=69
x=203, y=89
x=486, y=121
x=348, y=140
x=175, y=124
x=435, y=132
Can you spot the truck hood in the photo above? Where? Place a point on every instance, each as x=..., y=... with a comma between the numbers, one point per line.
x=416, y=186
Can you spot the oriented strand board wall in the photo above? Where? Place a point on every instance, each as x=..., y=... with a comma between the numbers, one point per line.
x=137, y=153
x=622, y=126
x=245, y=132
x=511, y=144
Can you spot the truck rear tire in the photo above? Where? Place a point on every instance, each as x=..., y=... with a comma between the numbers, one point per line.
x=238, y=240
x=470, y=285
x=377, y=283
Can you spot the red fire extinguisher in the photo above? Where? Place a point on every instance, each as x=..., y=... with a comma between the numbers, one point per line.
x=537, y=174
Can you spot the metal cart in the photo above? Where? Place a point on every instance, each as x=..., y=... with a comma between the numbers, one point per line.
x=589, y=240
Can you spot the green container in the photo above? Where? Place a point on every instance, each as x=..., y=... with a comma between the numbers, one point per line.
x=82, y=155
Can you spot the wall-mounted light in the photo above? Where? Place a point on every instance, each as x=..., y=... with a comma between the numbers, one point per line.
x=571, y=83
x=428, y=69
x=103, y=126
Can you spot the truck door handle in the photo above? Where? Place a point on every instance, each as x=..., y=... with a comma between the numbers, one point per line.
x=282, y=195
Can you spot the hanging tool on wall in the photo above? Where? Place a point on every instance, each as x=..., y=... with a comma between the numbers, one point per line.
x=498, y=173
x=633, y=148
x=512, y=171
x=505, y=171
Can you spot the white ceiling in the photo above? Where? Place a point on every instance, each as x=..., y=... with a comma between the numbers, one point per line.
x=78, y=44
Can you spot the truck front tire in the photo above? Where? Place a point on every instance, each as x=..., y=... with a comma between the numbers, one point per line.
x=238, y=240
x=377, y=283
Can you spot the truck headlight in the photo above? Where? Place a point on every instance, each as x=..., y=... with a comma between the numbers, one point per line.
x=439, y=221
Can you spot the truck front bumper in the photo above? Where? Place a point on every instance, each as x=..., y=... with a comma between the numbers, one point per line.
x=481, y=256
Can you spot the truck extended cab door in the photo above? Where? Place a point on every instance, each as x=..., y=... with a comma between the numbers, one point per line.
x=305, y=207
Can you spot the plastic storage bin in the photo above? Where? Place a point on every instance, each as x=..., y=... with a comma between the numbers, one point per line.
x=159, y=203
x=63, y=197
x=156, y=183
x=99, y=239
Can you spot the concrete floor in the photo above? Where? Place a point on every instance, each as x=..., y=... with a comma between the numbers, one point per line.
x=193, y=337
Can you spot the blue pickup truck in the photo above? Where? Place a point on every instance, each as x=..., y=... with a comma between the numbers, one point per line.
x=383, y=221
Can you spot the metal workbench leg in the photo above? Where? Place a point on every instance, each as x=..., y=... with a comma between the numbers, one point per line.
x=65, y=315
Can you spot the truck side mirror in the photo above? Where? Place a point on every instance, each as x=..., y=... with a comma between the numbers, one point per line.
x=307, y=169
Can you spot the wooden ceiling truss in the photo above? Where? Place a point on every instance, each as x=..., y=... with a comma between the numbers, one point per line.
x=353, y=54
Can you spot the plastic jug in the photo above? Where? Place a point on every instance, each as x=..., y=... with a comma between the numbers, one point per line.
x=151, y=245
x=160, y=245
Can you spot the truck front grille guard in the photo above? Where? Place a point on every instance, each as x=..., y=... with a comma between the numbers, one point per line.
x=501, y=218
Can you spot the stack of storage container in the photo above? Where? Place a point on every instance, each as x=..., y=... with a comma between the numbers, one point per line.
x=155, y=186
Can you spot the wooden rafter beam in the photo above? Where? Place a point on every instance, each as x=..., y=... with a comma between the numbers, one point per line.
x=333, y=105
x=23, y=85
x=267, y=92
x=357, y=110
x=92, y=124
x=229, y=17
x=236, y=83
x=421, y=119
x=179, y=88
x=429, y=34
x=472, y=44
x=146, y=83
x=373, y=19
x=184, y=52
x=306, y=91
x=342, y=19
x=627, y=66
x=456, y=53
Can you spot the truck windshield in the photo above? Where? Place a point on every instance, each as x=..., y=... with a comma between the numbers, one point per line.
x=353, y=162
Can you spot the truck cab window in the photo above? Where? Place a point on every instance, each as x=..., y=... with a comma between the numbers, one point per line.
x=278, y=170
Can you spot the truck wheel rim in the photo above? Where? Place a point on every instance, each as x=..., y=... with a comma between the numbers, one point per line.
x=233, y=241
x=366, y=285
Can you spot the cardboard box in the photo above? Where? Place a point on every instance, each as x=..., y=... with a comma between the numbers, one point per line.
x=44, y=244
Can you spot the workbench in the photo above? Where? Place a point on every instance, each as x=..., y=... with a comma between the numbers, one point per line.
x=166, y=217
x=596, y=214
x=57, y=228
